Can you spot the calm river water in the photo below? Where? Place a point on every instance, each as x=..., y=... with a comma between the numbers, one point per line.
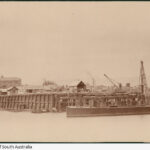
x=56, y=127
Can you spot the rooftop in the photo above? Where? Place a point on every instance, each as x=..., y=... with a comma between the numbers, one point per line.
x=75, y=82
x=2, y=78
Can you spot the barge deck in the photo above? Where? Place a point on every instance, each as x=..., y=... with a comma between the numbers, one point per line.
x=106, y=111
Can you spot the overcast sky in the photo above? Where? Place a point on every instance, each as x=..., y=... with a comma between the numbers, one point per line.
x=62, y=41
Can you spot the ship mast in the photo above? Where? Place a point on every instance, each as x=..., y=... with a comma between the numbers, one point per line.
x=143, y=82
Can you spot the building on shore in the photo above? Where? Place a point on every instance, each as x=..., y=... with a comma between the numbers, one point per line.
x=7, y=82
x=24, y=89
x=77, y=86
x=9, y=91
x=12, y=90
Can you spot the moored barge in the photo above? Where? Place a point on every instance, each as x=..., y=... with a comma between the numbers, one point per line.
x=110, y=105
x=111, y=111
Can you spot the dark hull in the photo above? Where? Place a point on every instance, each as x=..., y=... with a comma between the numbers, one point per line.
x=111, y=111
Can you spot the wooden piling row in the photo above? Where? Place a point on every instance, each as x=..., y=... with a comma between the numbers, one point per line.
x=29, y=102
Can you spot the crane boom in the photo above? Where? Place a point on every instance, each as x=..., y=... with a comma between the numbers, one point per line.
x=111, y=81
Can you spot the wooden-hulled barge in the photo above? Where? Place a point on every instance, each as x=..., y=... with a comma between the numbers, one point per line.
x=107, y=105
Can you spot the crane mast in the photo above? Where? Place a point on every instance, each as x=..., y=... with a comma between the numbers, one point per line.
x=143, y=82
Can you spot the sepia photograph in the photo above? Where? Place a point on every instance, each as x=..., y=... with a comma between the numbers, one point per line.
x=75, y=71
